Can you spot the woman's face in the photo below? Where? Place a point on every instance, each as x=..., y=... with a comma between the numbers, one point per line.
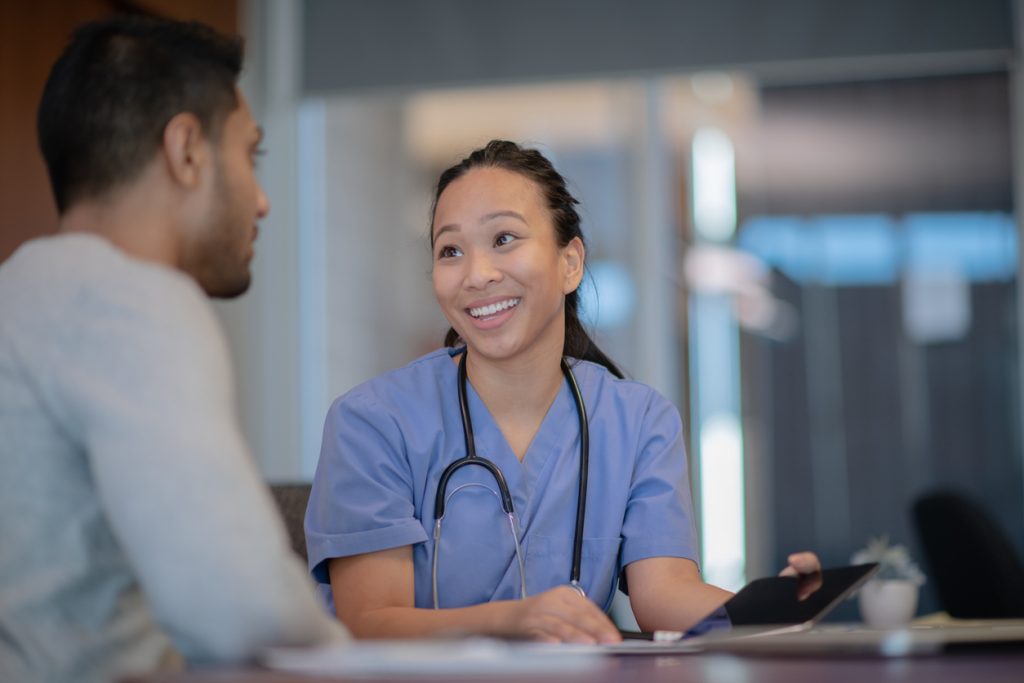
x=499, y=274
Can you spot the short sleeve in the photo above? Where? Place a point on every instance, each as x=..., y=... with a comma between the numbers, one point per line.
x=659, y=513
x=362, y=498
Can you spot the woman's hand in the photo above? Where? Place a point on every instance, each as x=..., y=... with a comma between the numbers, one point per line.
x=562, y=615
x=807, y=567
x=374, y=597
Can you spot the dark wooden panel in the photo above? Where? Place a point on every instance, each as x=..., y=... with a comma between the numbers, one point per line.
x=32, y=35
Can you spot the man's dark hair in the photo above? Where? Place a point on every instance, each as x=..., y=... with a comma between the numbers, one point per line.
x=114, y=89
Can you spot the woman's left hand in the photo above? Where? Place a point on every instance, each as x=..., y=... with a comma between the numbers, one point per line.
x=807, y=567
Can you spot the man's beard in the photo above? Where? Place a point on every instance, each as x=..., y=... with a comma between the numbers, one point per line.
x=223, y=270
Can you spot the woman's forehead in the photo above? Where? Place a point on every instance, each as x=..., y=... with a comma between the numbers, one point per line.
x=487, y=188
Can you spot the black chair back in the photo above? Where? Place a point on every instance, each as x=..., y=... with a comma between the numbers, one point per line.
x=972, y=562
x=291, y=501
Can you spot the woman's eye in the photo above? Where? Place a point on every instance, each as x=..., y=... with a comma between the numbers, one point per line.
x=447, y=252
x=504, y=238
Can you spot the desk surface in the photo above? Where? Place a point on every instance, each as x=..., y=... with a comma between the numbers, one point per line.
x=718, y=668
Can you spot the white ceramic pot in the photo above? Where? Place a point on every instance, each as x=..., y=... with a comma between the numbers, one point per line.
x=888, y=603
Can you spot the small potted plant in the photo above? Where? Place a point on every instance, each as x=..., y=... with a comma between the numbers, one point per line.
x=889, y=599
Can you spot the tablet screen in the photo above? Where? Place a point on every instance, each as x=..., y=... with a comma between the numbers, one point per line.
x=773, y=601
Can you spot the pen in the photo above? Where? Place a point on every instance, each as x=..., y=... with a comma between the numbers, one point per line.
x=656, y=636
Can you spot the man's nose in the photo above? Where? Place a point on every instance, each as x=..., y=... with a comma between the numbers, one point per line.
x=262, y=204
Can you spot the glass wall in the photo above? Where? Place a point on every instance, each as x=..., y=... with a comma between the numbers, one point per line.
x=821, y=275
x=883, y=210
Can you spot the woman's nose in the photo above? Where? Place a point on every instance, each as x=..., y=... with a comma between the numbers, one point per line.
x=482, y=270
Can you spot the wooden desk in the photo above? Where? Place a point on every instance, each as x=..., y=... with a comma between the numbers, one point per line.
x=954, y=668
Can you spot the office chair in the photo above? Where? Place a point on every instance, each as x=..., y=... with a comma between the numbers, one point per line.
x=291, y=500
x=975, y=568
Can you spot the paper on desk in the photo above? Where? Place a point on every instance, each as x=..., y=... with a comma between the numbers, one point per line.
x=431, y=658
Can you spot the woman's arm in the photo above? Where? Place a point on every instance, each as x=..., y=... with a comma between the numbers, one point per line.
x=667, y=593
x=374, y=597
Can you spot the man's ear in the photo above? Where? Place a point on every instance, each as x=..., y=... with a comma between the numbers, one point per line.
x=574, y=255
x=185, y=149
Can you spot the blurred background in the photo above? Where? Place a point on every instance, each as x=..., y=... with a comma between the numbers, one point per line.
x=800, y=216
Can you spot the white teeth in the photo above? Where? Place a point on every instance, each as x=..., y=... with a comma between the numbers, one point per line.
x=484, y=311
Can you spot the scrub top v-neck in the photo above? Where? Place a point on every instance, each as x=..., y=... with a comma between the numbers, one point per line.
x=387, y=441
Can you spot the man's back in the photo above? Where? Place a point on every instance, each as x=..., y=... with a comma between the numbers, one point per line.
x=126, y=491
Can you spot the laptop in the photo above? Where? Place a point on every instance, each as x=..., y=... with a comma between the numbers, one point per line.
x=979, y=636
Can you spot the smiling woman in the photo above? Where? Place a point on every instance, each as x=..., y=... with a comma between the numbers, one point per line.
x=521, y=383
x=500, y=276
x=523, y=193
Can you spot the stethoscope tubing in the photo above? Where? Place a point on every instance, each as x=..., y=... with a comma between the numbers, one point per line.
x=581, y=496
x=471, y=458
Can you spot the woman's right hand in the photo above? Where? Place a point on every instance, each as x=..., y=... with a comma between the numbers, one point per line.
x=374, y=597
x=562, y=615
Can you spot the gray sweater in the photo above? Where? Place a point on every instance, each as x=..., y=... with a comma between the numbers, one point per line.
x=135, y=530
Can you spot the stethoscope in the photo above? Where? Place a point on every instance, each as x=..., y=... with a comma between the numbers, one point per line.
x=472, y=458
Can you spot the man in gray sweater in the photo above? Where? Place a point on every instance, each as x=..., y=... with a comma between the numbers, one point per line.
x=135, y=532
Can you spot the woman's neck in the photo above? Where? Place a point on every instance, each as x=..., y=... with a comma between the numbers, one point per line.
x=506, y=385
x=519, y=391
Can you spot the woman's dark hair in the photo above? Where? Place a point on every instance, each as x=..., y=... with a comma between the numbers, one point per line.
x=111, y=93
x=532, y=165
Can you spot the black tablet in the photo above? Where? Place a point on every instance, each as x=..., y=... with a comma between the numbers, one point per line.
x=774, y=602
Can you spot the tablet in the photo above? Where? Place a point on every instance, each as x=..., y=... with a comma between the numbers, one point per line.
x=773, y=603
x=764, y=606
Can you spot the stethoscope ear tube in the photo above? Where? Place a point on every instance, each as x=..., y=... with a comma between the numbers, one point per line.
x=442, y=483
x=471, y=458
x=581, y=498
x=467, y=421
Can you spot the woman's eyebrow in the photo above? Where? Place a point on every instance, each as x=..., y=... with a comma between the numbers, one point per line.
x=503, y=214
x=507, y=213
x=451, y=227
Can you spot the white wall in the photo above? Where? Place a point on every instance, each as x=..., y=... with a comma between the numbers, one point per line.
x=262, y=326
x=341, y=285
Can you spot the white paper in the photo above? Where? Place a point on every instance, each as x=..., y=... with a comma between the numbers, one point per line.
x=432, y=658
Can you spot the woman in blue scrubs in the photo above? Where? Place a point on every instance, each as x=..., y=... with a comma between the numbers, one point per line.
x=508, y=257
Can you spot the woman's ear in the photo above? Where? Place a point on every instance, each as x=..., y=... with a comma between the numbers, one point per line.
x=185, y=149
x=573, y=257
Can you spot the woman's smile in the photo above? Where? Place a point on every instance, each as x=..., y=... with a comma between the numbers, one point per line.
x=489, y=309
x=491, y=316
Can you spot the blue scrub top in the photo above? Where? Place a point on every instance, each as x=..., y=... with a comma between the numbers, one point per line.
x=387, y=442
